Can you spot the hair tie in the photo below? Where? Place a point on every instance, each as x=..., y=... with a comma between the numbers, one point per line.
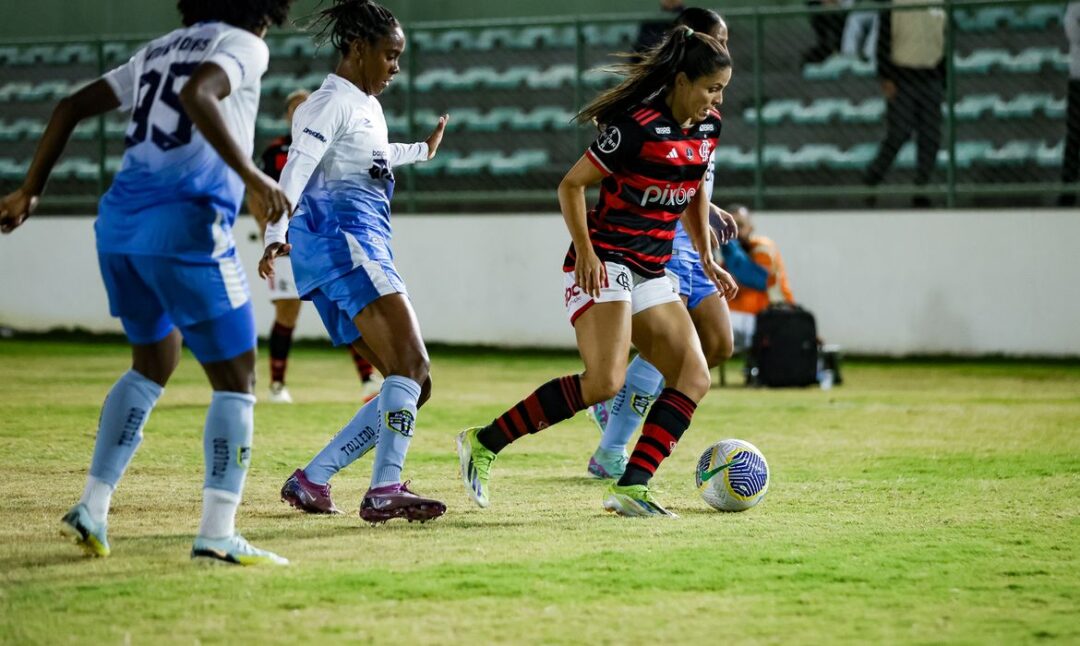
x=689, y=31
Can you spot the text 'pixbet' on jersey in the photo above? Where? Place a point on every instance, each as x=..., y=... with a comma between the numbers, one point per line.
x=667, y=196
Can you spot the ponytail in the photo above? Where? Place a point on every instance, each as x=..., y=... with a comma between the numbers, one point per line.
x=684, y=50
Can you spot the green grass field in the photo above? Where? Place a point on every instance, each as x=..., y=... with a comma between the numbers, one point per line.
x=918, y=503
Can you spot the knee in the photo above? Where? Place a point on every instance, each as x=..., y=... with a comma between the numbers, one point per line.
x=721, y=351
x=598, y=387
x=417, y=368
x=696, y=383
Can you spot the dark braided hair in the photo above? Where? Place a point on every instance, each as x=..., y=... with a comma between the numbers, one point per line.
x=683, y=50
x=350, y=20
x=245, y=14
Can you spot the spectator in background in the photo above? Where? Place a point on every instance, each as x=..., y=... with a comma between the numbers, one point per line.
x=755, y=263
x=911, y=68
x=827, y=29
x=860, y=34
x=1070, y=164
x=282, y=286
x=653, y=31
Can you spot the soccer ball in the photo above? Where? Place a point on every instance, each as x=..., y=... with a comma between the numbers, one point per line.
x=732, y=475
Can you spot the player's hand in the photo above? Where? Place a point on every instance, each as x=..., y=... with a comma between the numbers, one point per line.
x=265, y=194
x=436, y=136
x=590, y=274
x=728, y=229
x=723, y=280
x=15, y=207
x=273, y=250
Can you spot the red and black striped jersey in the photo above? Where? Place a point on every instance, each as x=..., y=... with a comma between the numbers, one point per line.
x=653, y=168
x=275, y=156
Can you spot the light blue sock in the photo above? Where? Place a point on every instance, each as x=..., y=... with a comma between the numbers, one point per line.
x=643, y=383
x=397, y=417
x=230, y=425
x=120, y=426
x=351, y=442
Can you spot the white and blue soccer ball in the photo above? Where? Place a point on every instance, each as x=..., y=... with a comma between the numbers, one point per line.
x=732, y=475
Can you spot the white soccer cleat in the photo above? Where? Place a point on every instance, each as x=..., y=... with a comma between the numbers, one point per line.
x=234, y=550
x=279, y=394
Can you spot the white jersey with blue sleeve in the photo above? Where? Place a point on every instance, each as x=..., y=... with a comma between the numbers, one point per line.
x=340, y=178
x=682, y=247
x=174, y=195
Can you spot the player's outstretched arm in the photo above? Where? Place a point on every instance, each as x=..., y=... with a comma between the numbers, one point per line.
x=200, y=97
x=402, y=154
x=92, y=100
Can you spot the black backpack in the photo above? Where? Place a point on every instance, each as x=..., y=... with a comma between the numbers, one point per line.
x=784, y=351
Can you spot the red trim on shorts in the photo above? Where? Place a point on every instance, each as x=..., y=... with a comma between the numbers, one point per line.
x=581, y=310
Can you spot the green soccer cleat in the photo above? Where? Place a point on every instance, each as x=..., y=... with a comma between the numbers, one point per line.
x=90, y=536
x=234, y=550
x=633, y=501
x=476, y=462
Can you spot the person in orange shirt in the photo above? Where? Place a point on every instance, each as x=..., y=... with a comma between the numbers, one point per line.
x=755, y=263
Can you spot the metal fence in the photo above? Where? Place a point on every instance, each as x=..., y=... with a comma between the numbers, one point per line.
x=804, y=117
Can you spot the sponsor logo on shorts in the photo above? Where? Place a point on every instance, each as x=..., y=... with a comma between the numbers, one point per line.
x=609, y=140
x=572, y=293
x=667, y=196
x=317, y=135
x=401, y=422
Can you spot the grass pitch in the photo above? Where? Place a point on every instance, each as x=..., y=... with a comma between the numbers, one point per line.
x=922, y=503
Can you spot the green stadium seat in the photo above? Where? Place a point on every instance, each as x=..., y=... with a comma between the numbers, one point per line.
x=1021, y=106
x=432, y=78
x=119, y=52
x=489, y=39
x=12, y=170
x=437, y=164
x=9, y=55
x=1049, y=155
x=1032, y=60
x=1040, y=17
x=733, y=158
x=599, y=78
x=1013, y=153
x=453, y=39
x=511, y=78
x=982, y=20
x=542, y=118
x=837, y=67
x=773, y=112
x=519, y=163
x=820, y=111
x=869, y=111
x=858, y=157
x=552, y=78
x=980, y=61
x=294, y=47
x=1054, y=108
x=545, y=38
x=973, y=107
x=475, y=163
x=612, y=36
x=969, y=152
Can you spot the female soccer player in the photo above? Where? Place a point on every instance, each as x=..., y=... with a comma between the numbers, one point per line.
x=620, y=416
x=166, y=249
x=340, y=175
x=283, y=287
x=660, y=128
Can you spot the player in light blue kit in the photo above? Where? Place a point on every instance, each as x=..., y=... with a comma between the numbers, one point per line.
x=619, y=417
x=166, y=251
x=340, y=176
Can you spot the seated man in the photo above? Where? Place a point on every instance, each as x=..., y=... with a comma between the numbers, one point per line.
x=757, y=267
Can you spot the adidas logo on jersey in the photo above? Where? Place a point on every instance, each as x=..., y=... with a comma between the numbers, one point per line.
x=673, y=154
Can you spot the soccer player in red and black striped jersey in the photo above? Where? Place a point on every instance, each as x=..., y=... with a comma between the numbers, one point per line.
x=659, y=128
x=282, y=287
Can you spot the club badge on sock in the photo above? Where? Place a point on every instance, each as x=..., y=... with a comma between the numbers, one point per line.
x=640, y=404
x=401, y=422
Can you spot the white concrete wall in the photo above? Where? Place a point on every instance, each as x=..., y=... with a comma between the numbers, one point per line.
x=902, y=282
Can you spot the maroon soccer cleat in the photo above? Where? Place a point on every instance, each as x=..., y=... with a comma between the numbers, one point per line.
x=307, y=496
x=396, y=501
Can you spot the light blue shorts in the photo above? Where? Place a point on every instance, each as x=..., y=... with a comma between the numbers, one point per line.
x=207, y=299
x=341, y=299
x=693, y=283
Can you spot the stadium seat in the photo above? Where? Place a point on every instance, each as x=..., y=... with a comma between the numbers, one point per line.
x=969, y=152
x=489, y=39
x=987, y=19
x=437, y=164
x=837, y=67
x=598, y=78
x=519, y=163
x=869, y=111
x=611, y=36
x=1054, y=108
x=294, y=47
x=980, y=61
x=858, y=157
x=545, y=38
x=475, y=163
x=1013, y=153
x=1040, y=17
x=541, y=118
x=1049, y=156
x=12, y=170
x=975, y=106
x=1021, y=106
x=1032, y=60
x=552, y=78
